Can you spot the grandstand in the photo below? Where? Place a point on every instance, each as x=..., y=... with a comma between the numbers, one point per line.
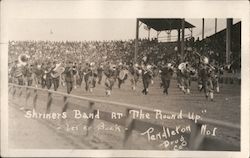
x=206, y=125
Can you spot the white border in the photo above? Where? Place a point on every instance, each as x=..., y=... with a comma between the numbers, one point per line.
x=13, y=9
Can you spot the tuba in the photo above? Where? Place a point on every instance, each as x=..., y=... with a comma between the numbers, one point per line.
x=23, y=59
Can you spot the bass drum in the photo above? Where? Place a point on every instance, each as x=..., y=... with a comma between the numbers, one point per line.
x=182, y=67
x=123, y=74
x=58, y=72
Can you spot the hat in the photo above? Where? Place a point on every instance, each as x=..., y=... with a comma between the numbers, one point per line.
x=92, y=64
x=149, y=67
x=169, y=65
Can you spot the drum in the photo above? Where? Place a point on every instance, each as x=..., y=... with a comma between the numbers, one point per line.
x=122, y=74
x=58, y=72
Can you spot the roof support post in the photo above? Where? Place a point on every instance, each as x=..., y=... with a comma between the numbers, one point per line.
x=136, y=40
x=179, y=41
x=215, y=25
x=191, y=32
x=158, y=33
x=228, y=39
x=182, y=39
x=203, y=21
x=149, y=33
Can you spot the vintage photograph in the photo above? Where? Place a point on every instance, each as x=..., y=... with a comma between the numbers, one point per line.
x=126, y=84
x=174, y=86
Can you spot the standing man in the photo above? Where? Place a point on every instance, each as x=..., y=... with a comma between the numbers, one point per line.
x=28, y=74
x=135, y=72
x=37, y=74
x=55, y=80
x=109, y=72
x=48, y=78
x=90, y=76
x=18, y=73
x=147, y=76
x=206, y=74
x=69, y=76
x=166, y=74
x=99, y=73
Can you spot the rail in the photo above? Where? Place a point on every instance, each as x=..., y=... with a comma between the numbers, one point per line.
x=130, y=123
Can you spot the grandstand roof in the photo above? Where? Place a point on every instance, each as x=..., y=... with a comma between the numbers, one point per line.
x=165, y=24
x=236, y=28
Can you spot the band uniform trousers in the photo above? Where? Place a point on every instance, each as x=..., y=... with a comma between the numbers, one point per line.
x=166, y=84
x=48, y=81
x=20, y=80
x=69, y=79
x=69, y=85
x=146, y=78
x=55, y=82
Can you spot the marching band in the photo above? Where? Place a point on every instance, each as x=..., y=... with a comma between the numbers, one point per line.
x=72, y=75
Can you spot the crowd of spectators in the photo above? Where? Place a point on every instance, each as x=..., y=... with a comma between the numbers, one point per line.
x=93, y=51
x=123, y=51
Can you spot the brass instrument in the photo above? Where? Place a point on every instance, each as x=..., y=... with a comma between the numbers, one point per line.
x=58, y=70
x=23, y=59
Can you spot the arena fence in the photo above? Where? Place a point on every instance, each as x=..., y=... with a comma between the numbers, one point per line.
x=196, y=140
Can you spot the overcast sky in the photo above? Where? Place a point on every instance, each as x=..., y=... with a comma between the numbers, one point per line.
x=106, y=20
x=95, y=29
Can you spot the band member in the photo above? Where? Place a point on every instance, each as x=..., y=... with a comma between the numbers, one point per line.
x=135, y=72
x=179, y=78
x=47, y=74
x=43, y=67
x=79, y=75
x=206, y=74
x=100, y=73
x=37, y=74
x=216, y=77
x=185, y=76
x=11, y=72
x=19, y=74
x=69, y=76
x=55, y=80
x=123, y=74
x=110, y=72
x=90, y=76
x=28, y=74
x=147, y=76
x=75, y=75
x=62, y=76
x=166, y=74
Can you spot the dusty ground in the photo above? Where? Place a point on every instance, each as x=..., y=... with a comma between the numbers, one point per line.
x=53, y=134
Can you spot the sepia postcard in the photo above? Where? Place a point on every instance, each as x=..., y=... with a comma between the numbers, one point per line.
x=125, y=78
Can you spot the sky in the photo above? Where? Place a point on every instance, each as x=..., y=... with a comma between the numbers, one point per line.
x=80, y=20
x=96, y=29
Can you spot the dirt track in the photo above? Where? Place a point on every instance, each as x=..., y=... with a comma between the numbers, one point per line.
x=226, y=107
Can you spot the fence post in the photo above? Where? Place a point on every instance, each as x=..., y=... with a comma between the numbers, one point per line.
x=14, y=91
x=65, y=102
x=49, y=101
x=90, y=121
x=27, y=96
x=35, y=99
x=20, y=93
x=129, y=125
x=196, y=138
